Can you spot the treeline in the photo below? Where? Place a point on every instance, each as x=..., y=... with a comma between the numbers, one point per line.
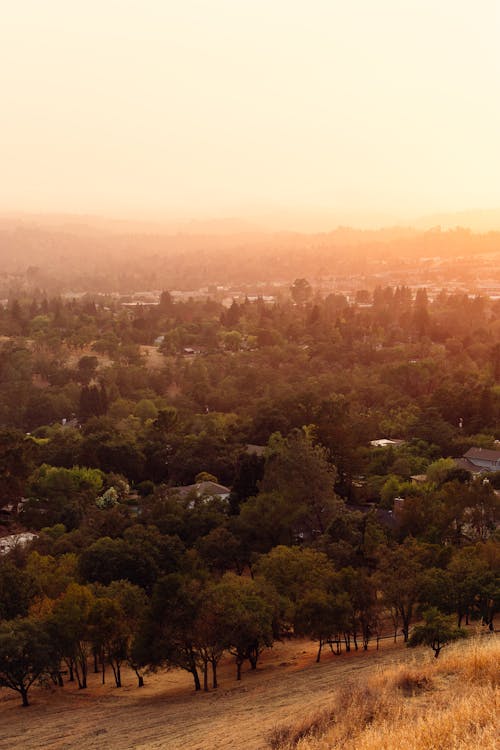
x=56, y=624
x=402, y=340
x=58, y=260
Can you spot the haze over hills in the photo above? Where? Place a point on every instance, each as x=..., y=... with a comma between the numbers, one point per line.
x=317, y=221
x=61, y=253
x=480, y=220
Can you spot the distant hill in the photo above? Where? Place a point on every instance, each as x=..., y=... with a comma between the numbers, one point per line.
x=88, y=253
x=92, y=223
x=487, y=220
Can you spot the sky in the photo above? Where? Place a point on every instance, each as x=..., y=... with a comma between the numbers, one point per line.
x=269, y=110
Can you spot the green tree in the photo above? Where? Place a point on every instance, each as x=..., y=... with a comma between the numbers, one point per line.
x=59, y=495
x=293, y=572
x=436, y=631
x=400, y=580
x=364, y=607
x=27, y=654
x=108, y=560
x=17, y=456
x=298, y=469
x=438, y=471
x=70, y=629
x=18, y=589
x=221, y=550
x=461, y=586
x=87, y=366
x=108, y=634
x=232, y=341
x=133, y=603
x=169, y=634
x=145, y=409
x=323, y=617
x=52, y=575
x=421, y=313
x=210, y=634
x=247, y=610
x=266, y=521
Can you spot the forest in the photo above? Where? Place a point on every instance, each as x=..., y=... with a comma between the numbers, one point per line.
x=200, y=479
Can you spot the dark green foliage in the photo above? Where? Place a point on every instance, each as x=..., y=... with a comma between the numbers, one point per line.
x=249, y=473
x=17, y=591
x=60, y=495
x=297, y=469
x=93, y=402
x=27, y=653
x=436, y=631
x=169, y=634
x=108, y=560
x=247, y=610
x=18, y=454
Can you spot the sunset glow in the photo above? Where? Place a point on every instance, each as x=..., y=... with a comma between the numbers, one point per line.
x=282, y=112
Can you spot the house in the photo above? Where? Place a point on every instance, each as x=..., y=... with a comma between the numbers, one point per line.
x=418, y=478
x=464, y=463
x=10, y=542
x=479, y=460
x=386, y=443
x=9, y=510
x=202, y=490
x=255, y=450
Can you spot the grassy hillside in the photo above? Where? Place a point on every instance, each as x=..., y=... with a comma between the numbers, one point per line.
x=353, y=689
x=443, y=704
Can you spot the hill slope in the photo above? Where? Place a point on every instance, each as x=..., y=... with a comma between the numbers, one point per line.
x=447, y=704
x=353, y=688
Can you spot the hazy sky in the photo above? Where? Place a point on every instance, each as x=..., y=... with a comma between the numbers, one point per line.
x=200, y=108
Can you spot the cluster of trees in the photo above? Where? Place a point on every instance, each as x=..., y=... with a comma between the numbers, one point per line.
x=279, y=403
x=61, y=614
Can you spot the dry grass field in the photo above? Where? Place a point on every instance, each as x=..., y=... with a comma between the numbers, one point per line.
x=287, y=689
x=153, y=359
x=448, y=704
x=168, y=714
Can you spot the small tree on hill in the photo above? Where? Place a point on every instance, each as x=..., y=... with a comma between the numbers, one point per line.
x=436, y=631
x=323, y=617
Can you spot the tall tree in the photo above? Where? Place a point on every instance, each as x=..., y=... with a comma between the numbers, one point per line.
x=70, y=629
x=247, y=612
x=400, y=579
x=298, y=469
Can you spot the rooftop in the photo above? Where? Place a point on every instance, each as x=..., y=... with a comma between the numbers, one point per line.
x=486, y=454
x=207, y=489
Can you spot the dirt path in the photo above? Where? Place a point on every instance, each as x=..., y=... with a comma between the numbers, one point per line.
x=166, y=714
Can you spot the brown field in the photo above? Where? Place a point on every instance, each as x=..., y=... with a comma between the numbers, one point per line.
x=167, y=714
x=73, y=356
x=287, y=690
x=153, y=359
